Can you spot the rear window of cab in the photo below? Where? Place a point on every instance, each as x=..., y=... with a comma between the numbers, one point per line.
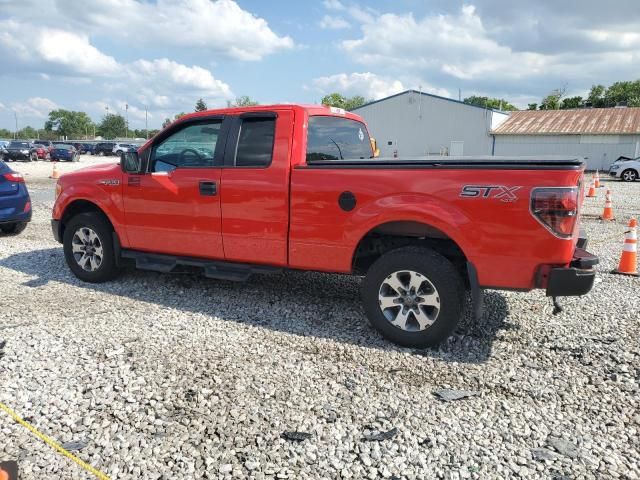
x=336, y=138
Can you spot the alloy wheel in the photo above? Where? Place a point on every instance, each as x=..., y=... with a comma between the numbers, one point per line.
x=87, y=249
x=409, y=301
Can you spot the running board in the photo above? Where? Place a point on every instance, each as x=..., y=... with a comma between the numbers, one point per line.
x=156, y=262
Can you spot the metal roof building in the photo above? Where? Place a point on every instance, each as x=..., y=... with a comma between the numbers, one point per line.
x=600, y=135
x=414, y=123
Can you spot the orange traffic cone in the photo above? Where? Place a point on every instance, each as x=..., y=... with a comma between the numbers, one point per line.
x=607, y=214
x=592, y=188
x=55, y=174
x=629, y=260
x=597, y=179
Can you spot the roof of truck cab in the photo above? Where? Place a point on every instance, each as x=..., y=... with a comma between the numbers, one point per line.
x=310, y=109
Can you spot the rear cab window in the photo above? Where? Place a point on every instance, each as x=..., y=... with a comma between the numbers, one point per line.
x=336, y=138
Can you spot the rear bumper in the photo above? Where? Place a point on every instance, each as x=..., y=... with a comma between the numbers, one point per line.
x=18, y=217
x=576, y=279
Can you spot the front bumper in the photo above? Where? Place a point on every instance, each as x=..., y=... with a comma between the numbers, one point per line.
x=576, y=279
x=17, y=156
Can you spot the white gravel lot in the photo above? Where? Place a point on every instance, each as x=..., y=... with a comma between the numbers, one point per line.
x=161, y=376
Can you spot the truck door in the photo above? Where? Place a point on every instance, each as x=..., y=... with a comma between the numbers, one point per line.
x=174, y=208
x=254, y=188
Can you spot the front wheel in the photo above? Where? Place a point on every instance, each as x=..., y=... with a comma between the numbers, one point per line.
x=413, y=296
x=629, y=175
x=88, y=248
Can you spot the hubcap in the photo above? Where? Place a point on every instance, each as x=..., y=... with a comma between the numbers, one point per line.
x=409, y=301
x=87, y=249
x=629, y=176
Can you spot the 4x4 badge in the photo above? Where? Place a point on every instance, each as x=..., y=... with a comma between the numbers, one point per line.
x=112, y=181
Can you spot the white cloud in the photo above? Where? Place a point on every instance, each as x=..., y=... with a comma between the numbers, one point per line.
x=333, y=5
x=34, y=107
x=43, y=48
x=460, y=49
x=329, y=22
x=221, y=27
x=367, y=84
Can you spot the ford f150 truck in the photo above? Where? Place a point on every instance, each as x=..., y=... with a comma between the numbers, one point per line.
x=260, y=189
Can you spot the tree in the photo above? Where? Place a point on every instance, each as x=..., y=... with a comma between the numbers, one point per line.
x=168, y=121
x=596, y=96
x=340, y=101
x=552, y=101
x=532, y=106
x=200, y=105
x=488, y=102
x=243, y=101
x=623, y=93
x=28, y=133
x=4, y=133
x=112, y=126
x=69, y=123
x=571, y=102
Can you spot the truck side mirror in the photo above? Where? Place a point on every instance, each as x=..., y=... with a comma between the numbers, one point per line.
x=374, y=147
x=130, y=162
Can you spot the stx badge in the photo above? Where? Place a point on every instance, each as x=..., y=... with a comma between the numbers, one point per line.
x=110, y=181
x=499, y=192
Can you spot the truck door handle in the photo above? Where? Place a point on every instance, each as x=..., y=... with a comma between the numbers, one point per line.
x=208, y=188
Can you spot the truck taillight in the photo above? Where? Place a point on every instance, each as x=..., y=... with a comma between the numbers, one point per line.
x=14, y=177
x=556, y=209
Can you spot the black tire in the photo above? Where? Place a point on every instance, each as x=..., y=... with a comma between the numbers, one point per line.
x=13, y=228
x=438, y=271
x=96, y=222
x=629, y=175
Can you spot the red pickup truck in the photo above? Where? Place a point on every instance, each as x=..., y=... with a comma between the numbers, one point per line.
x=260, y=189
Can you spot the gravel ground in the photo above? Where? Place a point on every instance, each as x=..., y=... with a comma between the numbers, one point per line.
x=158, y=376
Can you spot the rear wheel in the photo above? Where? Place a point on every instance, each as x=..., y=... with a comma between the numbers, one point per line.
x=13, y=228
x=629, y=175
x=88, y=248
x=413, y=296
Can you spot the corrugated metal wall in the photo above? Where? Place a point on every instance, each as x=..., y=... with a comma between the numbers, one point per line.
x=418, y=125
x=600, y=150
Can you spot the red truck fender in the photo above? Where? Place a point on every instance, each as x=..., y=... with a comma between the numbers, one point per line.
x=80, y=197
x=422, y=209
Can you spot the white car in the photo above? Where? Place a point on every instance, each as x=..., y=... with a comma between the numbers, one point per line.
x=119, y=148
x=628, y=169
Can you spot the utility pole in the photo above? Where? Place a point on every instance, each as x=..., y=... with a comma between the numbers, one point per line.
x=126, y=131
x=146, y=124
x=15, y=114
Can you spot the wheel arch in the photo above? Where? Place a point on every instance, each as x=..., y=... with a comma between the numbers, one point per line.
x=390, y=235
x=77, y=207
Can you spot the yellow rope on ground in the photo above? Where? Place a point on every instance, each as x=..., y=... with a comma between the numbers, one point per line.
x=52, y=443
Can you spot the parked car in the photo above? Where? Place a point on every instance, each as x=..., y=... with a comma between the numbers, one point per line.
x=3, y=148
x=64, y=153
x=15, y=204
x=18, y=150
x=39, y=152
x=420, y=231
x=104, y=148
x=119, y=148
x=88, y=148
x=625, y=168
x=46, y=144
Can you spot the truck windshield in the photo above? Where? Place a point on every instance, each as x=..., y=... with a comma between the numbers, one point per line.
x=335, y=138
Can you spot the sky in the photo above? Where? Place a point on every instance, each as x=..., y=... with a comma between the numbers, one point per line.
x=98, y=56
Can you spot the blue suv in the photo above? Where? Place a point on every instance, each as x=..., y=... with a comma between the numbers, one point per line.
x=15, y=204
